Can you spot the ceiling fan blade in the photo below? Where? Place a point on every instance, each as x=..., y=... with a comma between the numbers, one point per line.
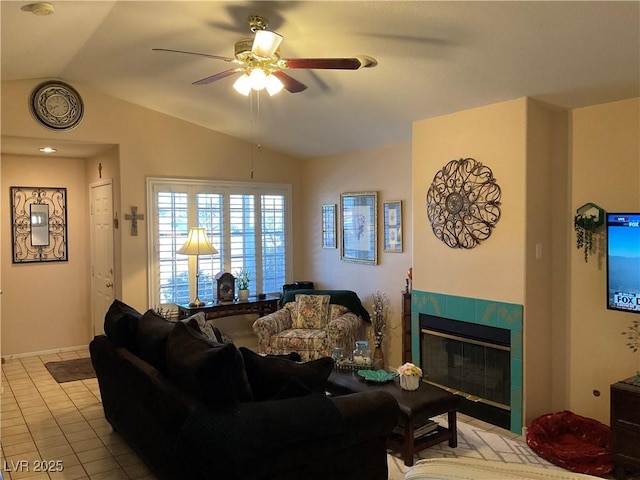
x=216, y=57
x=217, y=76
x=327, y=63
x=290, y=84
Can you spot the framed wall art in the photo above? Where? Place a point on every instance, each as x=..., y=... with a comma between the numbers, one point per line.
x=359, y=225
x=39, y=224
x=329, y=226
x=393, y=226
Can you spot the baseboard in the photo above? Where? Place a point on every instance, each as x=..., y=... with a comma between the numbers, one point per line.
x=43, y=352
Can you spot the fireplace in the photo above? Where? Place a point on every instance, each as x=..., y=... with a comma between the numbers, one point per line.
x=472, y=361
x=496, y=399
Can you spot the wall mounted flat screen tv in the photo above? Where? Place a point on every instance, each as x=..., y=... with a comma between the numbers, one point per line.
x=623, y=261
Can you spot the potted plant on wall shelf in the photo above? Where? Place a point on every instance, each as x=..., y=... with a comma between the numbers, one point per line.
x=587, y=220
x=243, y=279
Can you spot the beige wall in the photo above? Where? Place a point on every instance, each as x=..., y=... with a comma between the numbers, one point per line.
x=524, y=144
x=387, y=171
x=146, y=143
x=605, y=170
x=545, y=276
x=494, y=135
x=46, y=305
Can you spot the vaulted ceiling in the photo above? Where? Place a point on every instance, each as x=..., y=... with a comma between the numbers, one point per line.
x=434, y=58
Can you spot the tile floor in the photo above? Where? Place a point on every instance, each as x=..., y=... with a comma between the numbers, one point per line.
x=61, y=423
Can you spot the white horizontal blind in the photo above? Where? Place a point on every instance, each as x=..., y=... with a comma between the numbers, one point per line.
x=273, y=242
x=173, y=269
x=243, y=236
x=210, y=216
x=246, y=223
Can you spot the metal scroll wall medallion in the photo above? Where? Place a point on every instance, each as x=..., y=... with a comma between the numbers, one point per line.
x=463, y=203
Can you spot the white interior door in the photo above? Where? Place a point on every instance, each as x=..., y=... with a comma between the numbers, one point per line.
x=102, y=266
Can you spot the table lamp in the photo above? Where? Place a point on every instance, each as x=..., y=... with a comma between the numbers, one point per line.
x=197, y=244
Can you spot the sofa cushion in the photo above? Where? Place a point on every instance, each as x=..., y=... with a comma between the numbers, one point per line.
x=211, y=371
x=152, y=334
x=268, y=374
x=336, y=311
x=291, y=307
x=312, y=311
x=121, y=324
x=199, y=322
x=291, y=389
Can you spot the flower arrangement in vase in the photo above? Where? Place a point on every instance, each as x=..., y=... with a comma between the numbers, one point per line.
x=410, y=376
x=378, y=326
x=243, y=279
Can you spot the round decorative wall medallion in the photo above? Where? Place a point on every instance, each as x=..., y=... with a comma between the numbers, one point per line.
x=463, y=203
x=56, y=105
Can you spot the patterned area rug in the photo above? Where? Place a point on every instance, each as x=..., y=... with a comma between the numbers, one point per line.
x=71, y=370
x=474, y=442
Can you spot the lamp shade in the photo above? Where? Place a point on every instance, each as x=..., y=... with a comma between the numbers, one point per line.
x=243, y=85
x=274, y=85
x=266, y=43
x=197, y=243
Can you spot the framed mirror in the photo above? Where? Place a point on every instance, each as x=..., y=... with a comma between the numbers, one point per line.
x=39, y=224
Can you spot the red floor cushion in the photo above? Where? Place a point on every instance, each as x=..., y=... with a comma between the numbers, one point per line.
x=571, y=441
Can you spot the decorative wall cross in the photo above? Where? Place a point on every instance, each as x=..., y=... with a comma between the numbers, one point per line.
x=134, y=216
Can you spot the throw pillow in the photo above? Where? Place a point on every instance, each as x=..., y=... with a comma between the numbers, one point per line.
x=121, y=324
x=336, y=311
x=291, y=306
x=152, y=334
x=268, y=375
x=210, y=371
x=199, y=322
x=313, y=311
x=291, y=389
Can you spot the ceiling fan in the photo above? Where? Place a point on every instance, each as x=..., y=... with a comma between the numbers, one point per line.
x=260, y=65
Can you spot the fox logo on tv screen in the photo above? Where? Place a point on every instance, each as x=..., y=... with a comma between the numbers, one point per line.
x=627, y=301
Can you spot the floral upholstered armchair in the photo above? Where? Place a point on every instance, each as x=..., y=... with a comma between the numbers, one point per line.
x=312, y=323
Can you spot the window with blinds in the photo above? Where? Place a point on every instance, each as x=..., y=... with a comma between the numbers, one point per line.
x=247, y=223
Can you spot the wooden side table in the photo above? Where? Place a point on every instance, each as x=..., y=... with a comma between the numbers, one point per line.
x=211, y=310
x=625, y=427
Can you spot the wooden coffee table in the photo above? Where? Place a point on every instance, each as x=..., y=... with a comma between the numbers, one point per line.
x=415, y=408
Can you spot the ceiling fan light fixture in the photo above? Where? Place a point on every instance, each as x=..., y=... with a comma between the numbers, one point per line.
x=258, y=79
x=243, y=85
x=266, y=43
x=274, y=85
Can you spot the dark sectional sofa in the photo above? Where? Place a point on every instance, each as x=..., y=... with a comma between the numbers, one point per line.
x=195, y=407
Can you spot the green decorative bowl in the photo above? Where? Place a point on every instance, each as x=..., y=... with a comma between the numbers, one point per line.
x=378, y=376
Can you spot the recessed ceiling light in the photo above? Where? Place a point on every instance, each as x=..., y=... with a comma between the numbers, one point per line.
x=48, y=150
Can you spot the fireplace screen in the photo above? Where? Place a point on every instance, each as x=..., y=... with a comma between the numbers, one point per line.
x=477, y=370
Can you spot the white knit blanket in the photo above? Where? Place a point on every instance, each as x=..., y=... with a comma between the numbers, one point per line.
x=476, y=469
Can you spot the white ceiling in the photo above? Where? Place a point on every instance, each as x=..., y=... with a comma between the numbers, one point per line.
x=434, y=58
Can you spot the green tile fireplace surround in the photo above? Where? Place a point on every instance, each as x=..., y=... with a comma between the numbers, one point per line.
x=483, y=312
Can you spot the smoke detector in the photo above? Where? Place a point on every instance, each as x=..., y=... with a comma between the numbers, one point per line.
x=40, y=8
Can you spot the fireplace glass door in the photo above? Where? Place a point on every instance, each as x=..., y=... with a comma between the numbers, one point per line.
x=477, y=370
